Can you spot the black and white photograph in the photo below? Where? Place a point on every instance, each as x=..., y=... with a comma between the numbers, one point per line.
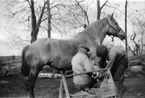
x=72, y=49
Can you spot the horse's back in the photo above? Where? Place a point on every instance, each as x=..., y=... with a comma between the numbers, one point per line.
x=57, y=52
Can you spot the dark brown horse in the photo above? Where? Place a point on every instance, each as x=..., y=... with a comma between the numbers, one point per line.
x=58, y=53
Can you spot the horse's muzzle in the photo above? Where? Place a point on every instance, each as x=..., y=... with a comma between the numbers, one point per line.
x=121, y=34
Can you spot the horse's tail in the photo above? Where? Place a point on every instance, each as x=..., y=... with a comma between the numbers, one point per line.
x=25, y=70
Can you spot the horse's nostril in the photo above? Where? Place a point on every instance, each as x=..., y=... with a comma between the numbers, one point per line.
x=122, y=37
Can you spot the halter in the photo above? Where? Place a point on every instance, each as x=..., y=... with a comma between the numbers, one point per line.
x=117, y=30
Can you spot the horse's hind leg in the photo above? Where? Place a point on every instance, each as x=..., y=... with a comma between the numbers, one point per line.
x=30, y=83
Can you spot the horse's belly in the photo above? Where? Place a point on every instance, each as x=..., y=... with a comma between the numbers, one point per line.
x=61, y=64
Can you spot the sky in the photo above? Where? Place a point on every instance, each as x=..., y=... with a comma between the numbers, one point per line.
x=9, y=28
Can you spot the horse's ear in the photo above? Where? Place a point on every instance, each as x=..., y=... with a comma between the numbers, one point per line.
x=112, y=15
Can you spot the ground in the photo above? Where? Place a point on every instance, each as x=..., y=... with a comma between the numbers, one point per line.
x=13, y=86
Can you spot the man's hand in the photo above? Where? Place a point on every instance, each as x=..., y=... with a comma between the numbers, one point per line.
x=101, y=74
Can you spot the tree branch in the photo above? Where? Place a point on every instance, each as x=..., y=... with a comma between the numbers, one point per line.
x=131, y=50
x=103, y=5
x=29, y=3
x=83, y=11
x=57, y=5
x=77, y=20
x=41, y=15
x=57, y=29
x=115, y=8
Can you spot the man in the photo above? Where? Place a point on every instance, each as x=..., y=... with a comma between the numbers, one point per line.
x=116, y=56
x=81, y=63
x=118, y=62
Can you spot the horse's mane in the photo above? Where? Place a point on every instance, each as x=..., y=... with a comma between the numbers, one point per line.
x=95, y=27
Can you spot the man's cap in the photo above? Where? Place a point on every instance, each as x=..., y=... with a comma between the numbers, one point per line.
x=85, y=47
x=101, y=51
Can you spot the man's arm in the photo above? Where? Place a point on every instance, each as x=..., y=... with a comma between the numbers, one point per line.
x=88, y=65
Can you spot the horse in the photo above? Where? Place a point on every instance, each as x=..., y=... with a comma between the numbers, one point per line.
x=58, y=53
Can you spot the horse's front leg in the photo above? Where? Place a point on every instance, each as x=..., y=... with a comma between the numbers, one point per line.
x=30, y=83
x=120, y=87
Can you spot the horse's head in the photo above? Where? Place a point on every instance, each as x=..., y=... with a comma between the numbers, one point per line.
x=114, y=28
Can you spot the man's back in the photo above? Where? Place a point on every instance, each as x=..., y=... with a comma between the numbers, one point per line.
x=80, y=63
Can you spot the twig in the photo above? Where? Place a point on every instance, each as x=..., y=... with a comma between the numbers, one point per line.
x=83, y=11
x=57, y=29
x=29, y=2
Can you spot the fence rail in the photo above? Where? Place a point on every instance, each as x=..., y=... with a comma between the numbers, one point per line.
x=11, y=62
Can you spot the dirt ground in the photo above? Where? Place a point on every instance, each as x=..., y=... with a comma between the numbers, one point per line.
x=13, y=86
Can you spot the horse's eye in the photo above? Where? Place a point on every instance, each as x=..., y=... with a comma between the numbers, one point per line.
x=115, y=23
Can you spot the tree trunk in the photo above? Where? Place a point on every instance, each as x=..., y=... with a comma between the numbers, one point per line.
x=34, y=22
x=49, y=19
x=98, y=10
x=33, y=36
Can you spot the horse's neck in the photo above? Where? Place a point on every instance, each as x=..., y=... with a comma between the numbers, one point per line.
x=96, y=31
x=100, y=29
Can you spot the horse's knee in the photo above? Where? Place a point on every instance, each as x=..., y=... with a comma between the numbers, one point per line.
x=121, y=92
x=26, y=86
x=120, y=88
x=30, y=82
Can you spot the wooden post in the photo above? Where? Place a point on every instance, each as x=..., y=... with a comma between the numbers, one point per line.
x=65, y=86
x=126, y=44
x=63, y=83
x=61, y=89
x=98, y=70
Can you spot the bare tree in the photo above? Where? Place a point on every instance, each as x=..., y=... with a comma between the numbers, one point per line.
x=26, y=10
x=85, y=14
x=78, y=10
x=141, y=31
x=70, y=16
x=136, y=48
x=99, y=8
x=137, y=20
x=35, y=24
